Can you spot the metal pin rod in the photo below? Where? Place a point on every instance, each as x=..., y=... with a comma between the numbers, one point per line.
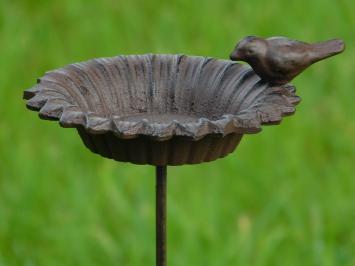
x=161, y=215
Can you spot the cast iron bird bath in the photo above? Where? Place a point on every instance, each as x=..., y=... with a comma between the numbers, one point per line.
x=160, y=110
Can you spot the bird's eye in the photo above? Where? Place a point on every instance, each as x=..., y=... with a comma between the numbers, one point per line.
x=251, y=51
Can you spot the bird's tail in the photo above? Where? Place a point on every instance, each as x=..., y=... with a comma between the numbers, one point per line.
x=327, y=49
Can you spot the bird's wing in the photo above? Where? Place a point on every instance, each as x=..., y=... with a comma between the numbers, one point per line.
x=287, y=61
x=286, y=43
x=287, y=54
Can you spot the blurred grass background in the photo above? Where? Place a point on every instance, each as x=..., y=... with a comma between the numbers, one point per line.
x=285, y=197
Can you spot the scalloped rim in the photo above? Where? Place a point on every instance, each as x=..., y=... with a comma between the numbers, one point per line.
x=280, y=101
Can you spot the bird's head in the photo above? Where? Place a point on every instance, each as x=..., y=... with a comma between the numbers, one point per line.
x=249, y=48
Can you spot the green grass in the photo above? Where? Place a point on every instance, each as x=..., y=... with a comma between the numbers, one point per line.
x=285, y=197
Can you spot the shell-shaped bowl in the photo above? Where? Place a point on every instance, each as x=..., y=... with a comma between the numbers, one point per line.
x=160, y=109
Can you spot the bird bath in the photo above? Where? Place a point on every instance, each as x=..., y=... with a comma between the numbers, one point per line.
x=160, y=110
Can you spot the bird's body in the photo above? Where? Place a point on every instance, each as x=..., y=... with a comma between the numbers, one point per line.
x=278, y=59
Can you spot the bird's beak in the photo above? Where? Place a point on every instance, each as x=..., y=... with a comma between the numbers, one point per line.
x=235, y=55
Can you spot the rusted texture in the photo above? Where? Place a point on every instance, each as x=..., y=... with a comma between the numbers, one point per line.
x=278, y=60
x=160, y=109
x=175, y=151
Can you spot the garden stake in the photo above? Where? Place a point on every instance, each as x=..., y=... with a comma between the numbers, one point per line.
x=161, y=183
x=171, y=109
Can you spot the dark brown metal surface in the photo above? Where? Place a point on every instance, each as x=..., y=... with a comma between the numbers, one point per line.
x=160, y=109
x=279, y=60
x=175, y=151
x=175, y=109
x=161, y=184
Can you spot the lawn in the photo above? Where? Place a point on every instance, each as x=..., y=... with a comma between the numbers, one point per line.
x=286, y=196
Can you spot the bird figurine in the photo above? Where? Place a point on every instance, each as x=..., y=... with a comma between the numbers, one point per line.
x=278, y=60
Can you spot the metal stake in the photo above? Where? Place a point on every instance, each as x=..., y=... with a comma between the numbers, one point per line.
x=161, y=215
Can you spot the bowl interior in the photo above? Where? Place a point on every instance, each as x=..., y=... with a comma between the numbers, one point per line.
x=160, y=96
x=158, y=87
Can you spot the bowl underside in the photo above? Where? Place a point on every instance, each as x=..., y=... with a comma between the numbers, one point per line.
x=160, y=109
x=175, y=151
